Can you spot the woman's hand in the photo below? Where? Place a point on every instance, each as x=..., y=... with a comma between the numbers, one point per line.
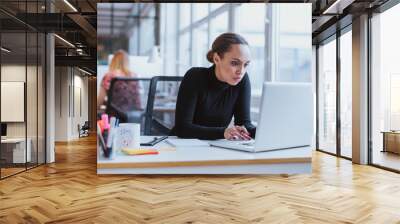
x=237, y=133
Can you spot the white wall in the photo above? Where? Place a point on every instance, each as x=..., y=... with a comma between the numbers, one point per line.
x=61, y=103
x=79, y=117
x=14, y=73
x=71, y=87
x=33, y=126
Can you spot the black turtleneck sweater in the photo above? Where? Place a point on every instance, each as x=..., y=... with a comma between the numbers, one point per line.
x=205, y=105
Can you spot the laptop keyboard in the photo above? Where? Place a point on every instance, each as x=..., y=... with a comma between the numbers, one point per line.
x=248, y=143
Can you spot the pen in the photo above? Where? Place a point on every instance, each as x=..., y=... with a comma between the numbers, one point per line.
x=154, y=141
x=110, y=137
x=102, y=143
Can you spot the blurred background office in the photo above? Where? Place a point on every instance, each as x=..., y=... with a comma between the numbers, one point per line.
x=168, y=39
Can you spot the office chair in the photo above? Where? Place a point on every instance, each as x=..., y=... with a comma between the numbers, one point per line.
x=127, y=99
x=83, y=130
x=161, y=105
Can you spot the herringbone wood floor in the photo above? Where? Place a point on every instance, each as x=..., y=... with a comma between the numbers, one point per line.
x=70, y=191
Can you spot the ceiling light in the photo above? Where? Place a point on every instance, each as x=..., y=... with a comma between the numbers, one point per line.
x=5, y=49
x=70, y=5
x=338, y=6
x=331, y=7
x=84, y=71
x=64, y=40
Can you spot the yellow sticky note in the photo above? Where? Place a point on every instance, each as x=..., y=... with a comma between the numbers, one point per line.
x=139, y=151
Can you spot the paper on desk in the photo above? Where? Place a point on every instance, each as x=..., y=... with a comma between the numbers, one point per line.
x=186, y=142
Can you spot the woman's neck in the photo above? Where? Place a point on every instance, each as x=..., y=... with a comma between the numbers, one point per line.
x=218, y=74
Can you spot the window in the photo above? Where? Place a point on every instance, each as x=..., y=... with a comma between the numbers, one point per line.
x=218, y=25
x=184, y=15
x=346, y=94
x=146, y=38
x=254, y=33
x=184, y=53
x=291, y=37
x=327, y=97
x=200, y=46
x=214, y=6
x=200, y=10
x=385, y=84
x=394, y=101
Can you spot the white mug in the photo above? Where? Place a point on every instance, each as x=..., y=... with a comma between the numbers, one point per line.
x=127, y=136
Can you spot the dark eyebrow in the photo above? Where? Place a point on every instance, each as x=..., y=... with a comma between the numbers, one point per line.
x=237, y=59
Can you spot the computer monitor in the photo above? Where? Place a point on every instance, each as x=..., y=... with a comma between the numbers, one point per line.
x=3, y=129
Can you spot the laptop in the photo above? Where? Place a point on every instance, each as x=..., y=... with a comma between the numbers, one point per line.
x=285, y=119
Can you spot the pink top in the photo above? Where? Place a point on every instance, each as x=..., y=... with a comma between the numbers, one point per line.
x=106, y=82
x=124, y=95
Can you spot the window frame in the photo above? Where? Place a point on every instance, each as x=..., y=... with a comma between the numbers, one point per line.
x=334, y=37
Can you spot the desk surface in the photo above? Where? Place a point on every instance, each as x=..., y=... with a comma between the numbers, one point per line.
x=203, y=159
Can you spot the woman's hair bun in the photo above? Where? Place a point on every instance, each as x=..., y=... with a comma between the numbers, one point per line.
x=222, y=44
x=210, y=56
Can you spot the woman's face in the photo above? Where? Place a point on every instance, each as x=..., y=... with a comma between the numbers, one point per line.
x=233, y=65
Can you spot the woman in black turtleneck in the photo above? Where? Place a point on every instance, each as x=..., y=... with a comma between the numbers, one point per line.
x=208, y=98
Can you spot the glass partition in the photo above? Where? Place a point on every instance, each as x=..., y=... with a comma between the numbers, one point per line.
x=14, y=153
x=22, y=89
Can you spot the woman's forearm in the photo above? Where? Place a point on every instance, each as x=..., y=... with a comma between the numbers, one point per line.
x=188, y=130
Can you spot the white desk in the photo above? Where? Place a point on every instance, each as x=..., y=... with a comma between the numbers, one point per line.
x=19, y=149
x=208, y=160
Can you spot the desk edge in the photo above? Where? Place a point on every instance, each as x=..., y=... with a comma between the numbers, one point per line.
x=202, y=163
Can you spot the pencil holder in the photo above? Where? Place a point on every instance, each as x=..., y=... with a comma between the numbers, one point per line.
x=127, y=135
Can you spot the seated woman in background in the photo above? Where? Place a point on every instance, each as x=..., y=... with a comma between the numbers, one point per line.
x=119, y=67
x=208, y=98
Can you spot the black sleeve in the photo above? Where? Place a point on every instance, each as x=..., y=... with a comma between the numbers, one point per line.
x=242, y=107
x=188, y=95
